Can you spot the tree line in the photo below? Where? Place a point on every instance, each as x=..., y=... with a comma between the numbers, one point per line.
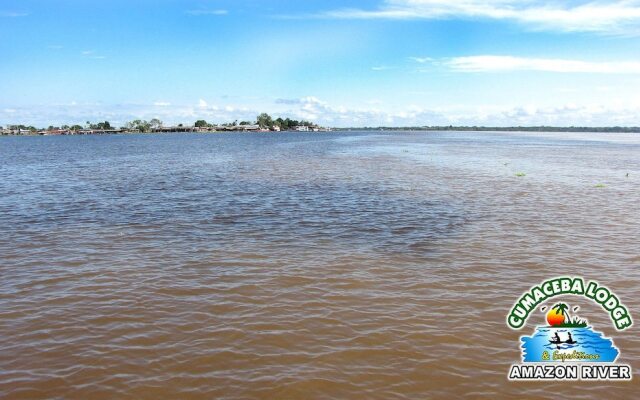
x=264, y=121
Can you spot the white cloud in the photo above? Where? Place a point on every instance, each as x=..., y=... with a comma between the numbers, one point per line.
x=314, y=109
x=300, y=101
x=565, y=115
x=13, y=14
x=161, y=104
x=202, y=104
x=607, y=16
x=491, y=63
x=421, y=60
x=381, y=68
x=91, y=54
x=206, y=12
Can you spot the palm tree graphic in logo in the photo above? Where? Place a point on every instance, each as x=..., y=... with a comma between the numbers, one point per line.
x=558, y=317
x=557, y=314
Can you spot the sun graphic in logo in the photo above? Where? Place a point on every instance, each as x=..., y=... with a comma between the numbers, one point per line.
x=557, y=314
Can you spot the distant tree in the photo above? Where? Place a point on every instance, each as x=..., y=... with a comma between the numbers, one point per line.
x=265, y=121
x=242, y=123
x=201, y=123
x=102, y=125
x=155, y=123
x=76, y=127
x=279, y=122
x=140, y=125
x=291, y=123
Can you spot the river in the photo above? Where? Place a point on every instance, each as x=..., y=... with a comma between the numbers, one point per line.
x=299, y=265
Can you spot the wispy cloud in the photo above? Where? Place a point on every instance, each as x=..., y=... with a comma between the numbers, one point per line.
x=206, y=12
x=605, y=16
x=91, y=54
x=312, y=108
x=381, y=68
x=295, y=101
x=491, y=63
x=564, y=115
x=13, y=14
x=421, y=60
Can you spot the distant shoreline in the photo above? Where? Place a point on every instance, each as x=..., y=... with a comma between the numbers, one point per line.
x=158, y=132
x=252, y=129
x=605, y=129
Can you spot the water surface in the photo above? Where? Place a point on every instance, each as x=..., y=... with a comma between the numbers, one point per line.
x=279, y=266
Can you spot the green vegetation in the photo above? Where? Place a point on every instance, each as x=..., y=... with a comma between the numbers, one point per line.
x=287, y=124
x=576, y=323
x=263, y=122
x=142, y=125
x=22, y=129
x=563, y=309
x=600, y=185
x=100, y=125
x=520, y=174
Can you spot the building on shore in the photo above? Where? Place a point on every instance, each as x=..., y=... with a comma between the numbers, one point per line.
x=98, y=131
x=55, y=132
x=15, y=130
x=168, y=129
x=243, y=128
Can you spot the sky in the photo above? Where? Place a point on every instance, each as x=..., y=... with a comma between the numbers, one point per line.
x=338, y=63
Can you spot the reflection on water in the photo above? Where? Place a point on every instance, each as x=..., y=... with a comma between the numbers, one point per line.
x=301, y=266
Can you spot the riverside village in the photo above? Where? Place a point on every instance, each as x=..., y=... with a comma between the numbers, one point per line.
x=263, y=123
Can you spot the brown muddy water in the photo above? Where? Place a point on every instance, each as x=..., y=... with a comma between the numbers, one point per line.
x=303, y=266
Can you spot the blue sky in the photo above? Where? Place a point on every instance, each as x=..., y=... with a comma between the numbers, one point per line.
x=340, y=63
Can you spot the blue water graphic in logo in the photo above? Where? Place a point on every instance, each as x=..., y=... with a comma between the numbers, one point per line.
x=568, y=344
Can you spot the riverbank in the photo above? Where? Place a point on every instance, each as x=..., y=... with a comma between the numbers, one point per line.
x=65, y=132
